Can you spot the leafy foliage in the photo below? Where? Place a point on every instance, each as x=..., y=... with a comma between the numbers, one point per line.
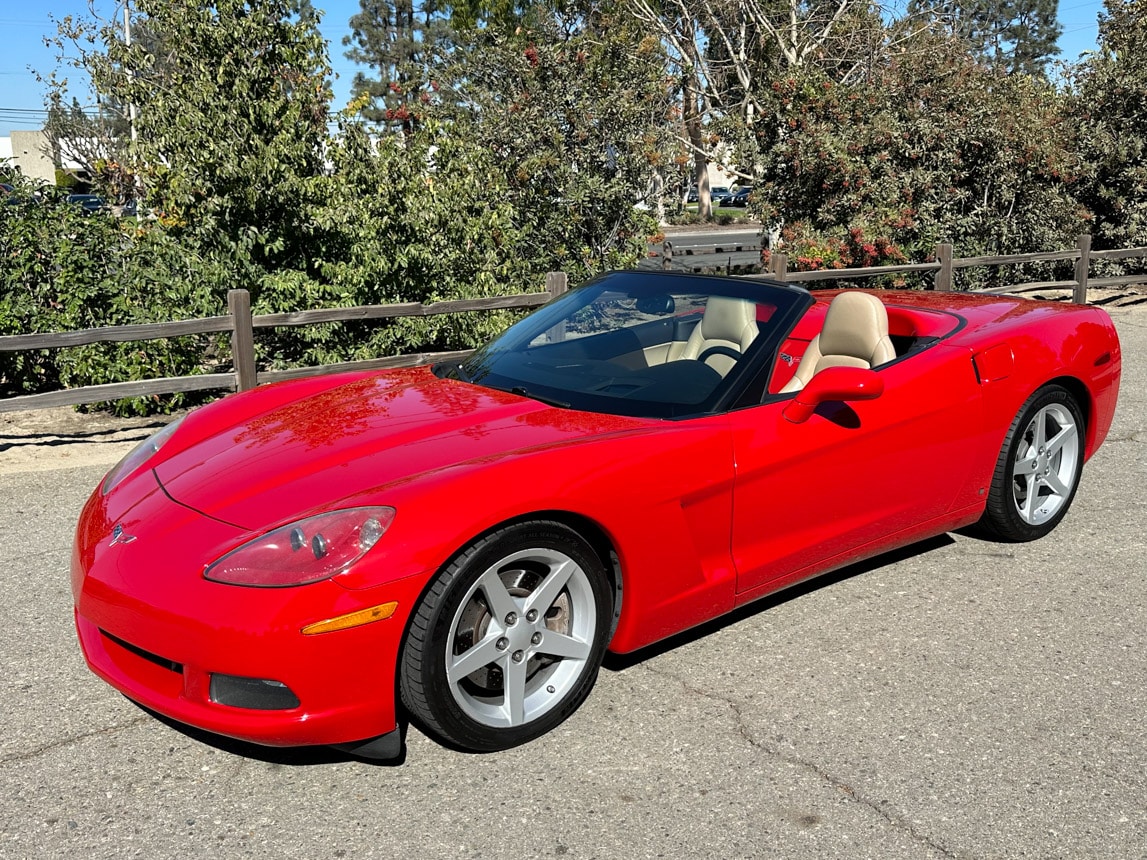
x=519, y=139
x=66, y=271
x=576, y=121
x=1111, y=101
x=231, y=126
x=396, y=40
x=1013, y=35
x=811, y=252
x=936, y=149
x=421, y=219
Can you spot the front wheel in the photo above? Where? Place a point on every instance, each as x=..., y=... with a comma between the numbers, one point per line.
x=507, y=642
x=1038, y=468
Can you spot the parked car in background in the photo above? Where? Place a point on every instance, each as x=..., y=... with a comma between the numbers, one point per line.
x=90, y=203
x=741, y=197
x=717, y=194
x=720, y=195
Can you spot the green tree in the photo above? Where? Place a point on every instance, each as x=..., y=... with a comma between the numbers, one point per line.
x=416, y=219
x=1111, y=103
x=937, y=148
x=65, y=271
x=231, y=127
x=395, y=39
x=578, y=122
x=1015, y=35
x=720, y=56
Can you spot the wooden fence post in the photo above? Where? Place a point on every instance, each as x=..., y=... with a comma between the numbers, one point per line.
x=557, y=283
x=1082, y=268
x=242, y=339
x=779, y=265
x=943, y=280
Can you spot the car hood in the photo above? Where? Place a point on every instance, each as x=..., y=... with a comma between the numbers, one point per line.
x=313, y=448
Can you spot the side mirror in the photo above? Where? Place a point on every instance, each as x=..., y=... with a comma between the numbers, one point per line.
x=834, y=384
x=661, y=304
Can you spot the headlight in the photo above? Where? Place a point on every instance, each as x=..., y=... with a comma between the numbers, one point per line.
x=138, y=455
x=305, y=551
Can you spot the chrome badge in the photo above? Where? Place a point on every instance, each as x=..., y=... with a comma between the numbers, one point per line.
x=118, y=536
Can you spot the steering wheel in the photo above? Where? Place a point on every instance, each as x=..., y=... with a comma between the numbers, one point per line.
x=726, y=351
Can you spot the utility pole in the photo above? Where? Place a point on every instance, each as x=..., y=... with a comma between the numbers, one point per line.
x=127, y=42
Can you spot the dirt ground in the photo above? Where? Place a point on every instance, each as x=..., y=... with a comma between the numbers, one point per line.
x=44, y=439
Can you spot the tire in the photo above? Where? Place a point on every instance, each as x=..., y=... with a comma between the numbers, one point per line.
x=529, y=661
x=1038, y=469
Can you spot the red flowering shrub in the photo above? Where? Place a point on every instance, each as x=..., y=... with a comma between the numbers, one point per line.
x=809, y=251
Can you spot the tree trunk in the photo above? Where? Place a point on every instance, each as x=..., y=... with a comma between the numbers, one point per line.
x=692, y=116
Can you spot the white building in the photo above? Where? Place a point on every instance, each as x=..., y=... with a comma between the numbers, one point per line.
x=27, y=150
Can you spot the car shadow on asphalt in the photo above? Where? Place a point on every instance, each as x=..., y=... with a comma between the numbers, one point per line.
x=281, y=756
x=621, y=662
x=317, y=755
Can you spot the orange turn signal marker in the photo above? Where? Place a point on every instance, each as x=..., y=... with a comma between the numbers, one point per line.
x=354, y=619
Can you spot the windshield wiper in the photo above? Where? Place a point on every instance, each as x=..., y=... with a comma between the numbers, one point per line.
x=541, y=398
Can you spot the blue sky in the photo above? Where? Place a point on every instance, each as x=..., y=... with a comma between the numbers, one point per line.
x=23, y=27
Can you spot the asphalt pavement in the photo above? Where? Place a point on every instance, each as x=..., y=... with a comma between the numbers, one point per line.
x=960, y=699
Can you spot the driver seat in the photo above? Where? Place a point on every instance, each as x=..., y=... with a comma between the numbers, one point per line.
x=855, y=334
x=728, y=325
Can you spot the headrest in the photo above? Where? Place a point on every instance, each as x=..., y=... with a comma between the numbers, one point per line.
x=854, y=325
x=726, y=319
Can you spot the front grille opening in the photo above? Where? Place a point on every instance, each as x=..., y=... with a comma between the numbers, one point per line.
x=162, y=662
x=258, y=694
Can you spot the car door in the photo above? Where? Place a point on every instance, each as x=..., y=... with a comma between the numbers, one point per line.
x=854, y=474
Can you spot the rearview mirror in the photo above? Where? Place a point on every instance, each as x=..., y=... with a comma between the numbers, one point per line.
x=658, y=305
x=834, y=384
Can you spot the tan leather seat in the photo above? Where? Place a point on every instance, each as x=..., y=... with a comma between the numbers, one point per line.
x=728, y=324
x=855, y=334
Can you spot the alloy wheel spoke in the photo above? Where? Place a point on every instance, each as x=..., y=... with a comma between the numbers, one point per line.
x=1066, y=433
x=1031, y=503
x=1039, y=431
x=514, y=685
x=547, y=593
x=497, y=597
x=560, y=645
x=1057, y=486
x=1025, y=466
x=482, y=654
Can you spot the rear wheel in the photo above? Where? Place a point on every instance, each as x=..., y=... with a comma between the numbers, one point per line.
x=507, y=642
x=1038, y=469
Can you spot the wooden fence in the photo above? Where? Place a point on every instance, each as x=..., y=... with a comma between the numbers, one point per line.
x=240, y=322
x=943, y=265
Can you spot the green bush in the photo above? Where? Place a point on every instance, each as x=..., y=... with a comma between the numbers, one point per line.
x=66, y=271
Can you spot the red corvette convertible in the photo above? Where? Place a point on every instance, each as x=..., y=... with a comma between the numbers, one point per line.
x=308, y=562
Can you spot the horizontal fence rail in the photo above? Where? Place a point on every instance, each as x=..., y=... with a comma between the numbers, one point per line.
x=242, y=324
x=946, y=264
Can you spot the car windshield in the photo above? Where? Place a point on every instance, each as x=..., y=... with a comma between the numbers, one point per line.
x=643, y=344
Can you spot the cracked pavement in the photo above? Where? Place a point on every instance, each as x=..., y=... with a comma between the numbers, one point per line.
x=958, y=699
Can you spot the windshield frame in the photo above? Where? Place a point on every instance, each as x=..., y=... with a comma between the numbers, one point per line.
x=743, y=383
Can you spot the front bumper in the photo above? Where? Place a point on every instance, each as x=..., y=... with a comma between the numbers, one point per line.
x=153, y=628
